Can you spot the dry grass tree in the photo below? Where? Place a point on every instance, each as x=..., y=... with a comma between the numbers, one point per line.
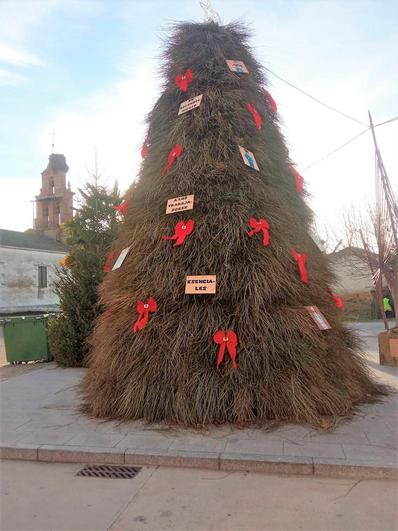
x=287, y=369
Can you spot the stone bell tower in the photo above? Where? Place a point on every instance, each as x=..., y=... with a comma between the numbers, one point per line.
x=54, y=204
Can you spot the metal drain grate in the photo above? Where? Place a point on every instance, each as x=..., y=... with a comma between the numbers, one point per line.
x=109, y=471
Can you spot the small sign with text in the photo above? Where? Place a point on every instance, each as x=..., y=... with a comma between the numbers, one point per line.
x=200, y=284
x=190, y=104
x=179, y=204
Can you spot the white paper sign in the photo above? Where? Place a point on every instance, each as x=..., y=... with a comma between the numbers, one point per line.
x=248, y=158
x=318, y=317
x=237, y=66
x=190, y=104
x=120, y=258
x=178, y=204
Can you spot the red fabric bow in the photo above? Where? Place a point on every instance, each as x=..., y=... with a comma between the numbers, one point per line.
x=181, y=231
x=109, y=261
x=256, y=117
x=257, y=226
x=122, y=207
x=227, y=340
x=271, y=102
x=183, y=81
x=174, y=153
x=337, y=300
x=299, y=179
x=301, y=258
x=143, y=310
x=145, y=146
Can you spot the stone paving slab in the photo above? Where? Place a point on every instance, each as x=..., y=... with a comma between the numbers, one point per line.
x=41, y=420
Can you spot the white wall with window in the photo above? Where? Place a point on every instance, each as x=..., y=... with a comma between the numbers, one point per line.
x=27, y=279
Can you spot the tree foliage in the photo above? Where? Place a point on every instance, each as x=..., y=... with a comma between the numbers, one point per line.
x=89, y=236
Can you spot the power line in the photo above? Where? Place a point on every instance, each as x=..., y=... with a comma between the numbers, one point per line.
x=346, y=144
x=315, y=99
x=335, y=150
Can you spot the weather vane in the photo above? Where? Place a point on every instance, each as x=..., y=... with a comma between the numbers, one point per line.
x=211, y=14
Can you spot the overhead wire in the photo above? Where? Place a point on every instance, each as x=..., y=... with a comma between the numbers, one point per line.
x=315, y=99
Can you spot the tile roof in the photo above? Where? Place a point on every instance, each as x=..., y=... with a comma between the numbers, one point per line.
x=30, y=240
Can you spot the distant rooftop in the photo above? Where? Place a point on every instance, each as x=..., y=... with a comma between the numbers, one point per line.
x=30, y=240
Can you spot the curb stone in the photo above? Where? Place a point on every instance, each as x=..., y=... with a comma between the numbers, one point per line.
x=226, y=461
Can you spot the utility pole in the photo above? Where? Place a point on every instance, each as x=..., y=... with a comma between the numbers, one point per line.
x=388, y=193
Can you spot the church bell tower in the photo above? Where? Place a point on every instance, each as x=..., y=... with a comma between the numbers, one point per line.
x=54, y=204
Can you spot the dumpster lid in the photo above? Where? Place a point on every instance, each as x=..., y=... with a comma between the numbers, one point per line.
x=22, y=318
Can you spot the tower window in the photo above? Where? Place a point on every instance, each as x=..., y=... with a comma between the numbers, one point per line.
x=52, y=188
x=42, y=276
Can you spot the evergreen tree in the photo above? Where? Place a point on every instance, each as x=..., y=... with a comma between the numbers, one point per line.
x=252, y=351
x=89, y=236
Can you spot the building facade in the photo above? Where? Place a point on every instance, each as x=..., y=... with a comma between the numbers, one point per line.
x=28, y=259
x=27, y=272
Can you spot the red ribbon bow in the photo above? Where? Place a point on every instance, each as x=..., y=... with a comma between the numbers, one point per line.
x=109, y=261
x=257, y=226
x=143, y=310
x=174, y=153
x=301, y=258
x=122, y=207
x=270, y=100
x=181, y=231
x=256, y=117
x=145, y=145
x=299, y=179
x=227, y=340
x=183, y=81
x=337, y=300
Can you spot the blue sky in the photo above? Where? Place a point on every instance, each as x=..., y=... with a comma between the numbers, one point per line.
x=90, y=70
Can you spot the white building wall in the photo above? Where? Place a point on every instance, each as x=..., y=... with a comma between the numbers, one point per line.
x=19, y=280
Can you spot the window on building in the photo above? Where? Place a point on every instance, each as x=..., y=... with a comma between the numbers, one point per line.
x=42, y=271
x=52, y=188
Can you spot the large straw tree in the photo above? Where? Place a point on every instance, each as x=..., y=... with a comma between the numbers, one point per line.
x=250, y=352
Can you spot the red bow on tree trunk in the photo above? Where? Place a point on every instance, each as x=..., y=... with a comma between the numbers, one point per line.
x=121, y=207
x=337, y=300
x=143, y=310
x=257, y=226
x=299, y=179
x=183, y=81
x=145, y=145
x=301, y=259
x=256, y=117
x=227, y=340
x=270, y=100
x=174, y=153
x=181, y=231
x=109, y=261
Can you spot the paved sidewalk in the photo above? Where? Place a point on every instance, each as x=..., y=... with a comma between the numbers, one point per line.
x=41, y=421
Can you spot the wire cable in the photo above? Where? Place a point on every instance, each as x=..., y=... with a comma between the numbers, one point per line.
x=315, y=99
x=346, y=144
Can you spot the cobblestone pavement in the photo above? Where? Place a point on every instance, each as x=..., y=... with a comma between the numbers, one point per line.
x=40, y=419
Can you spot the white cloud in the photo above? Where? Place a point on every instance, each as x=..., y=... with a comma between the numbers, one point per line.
x=10, y=78
x=18, y=57
x=112, y=122
x=16, y=202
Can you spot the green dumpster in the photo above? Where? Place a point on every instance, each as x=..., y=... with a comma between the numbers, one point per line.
x=25, y=338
